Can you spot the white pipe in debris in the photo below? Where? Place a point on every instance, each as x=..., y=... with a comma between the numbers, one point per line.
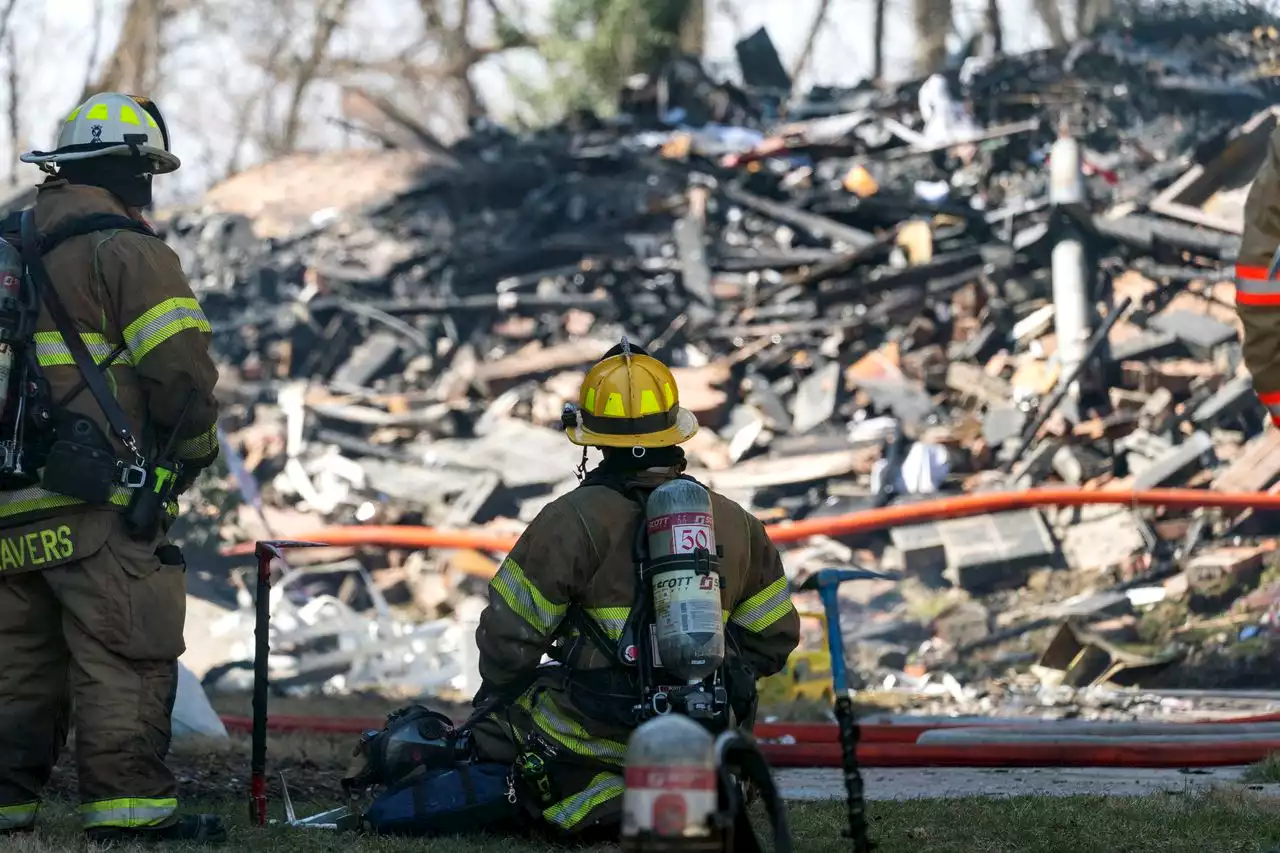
x=1048, y=739
x=1070, y=278
x=1124, y=731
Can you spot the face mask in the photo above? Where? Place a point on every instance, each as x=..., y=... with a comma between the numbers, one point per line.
x=134, y=191
x=127, y=178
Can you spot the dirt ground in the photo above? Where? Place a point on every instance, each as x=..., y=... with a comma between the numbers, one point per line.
x=213, y=771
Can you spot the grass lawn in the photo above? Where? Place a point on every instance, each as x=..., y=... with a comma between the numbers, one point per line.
x=1217, y=822
x=1265, y=772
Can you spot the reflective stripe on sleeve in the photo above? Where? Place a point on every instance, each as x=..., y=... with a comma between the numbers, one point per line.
x=162, y=322
x=52, y=351
x=127, y=812
x=16, y=817
x=610, y=619
x=764, y=608
x=571, y=811
x=1255, y=287
x=201, y=447
x=525, y=599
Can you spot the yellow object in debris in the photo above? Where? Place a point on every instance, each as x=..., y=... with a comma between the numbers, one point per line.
x=807, y=674
x=859, y=182
x=916, y=239
x=678, y=147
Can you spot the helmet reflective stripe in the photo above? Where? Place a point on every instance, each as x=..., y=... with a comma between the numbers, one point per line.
x=111, y=123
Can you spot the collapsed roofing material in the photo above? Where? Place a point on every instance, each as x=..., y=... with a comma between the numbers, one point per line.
x=989, y=281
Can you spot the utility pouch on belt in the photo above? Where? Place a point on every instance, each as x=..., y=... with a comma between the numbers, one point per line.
x=79, y=471
x=81, y=462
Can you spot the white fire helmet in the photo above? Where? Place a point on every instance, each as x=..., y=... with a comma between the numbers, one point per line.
x=111, y=123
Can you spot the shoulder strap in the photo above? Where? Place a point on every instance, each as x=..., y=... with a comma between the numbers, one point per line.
x=93, y=376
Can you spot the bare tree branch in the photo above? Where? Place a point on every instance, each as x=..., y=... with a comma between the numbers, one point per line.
x=329, y=19
x=811, y=39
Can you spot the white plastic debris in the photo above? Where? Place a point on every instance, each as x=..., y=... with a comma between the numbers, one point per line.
x=945, y=119
x=193, y=716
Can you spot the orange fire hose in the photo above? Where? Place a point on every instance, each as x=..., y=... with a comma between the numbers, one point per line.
x=893, y=745
x=805, y=733
x=866, y=521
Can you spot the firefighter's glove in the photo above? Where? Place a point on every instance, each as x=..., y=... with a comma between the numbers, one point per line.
x=741, y=684
x=186, y=480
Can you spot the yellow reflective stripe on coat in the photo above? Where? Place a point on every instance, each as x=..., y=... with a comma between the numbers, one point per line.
x=610, y=619
x=569, y=732
x=16, y=817
x=569, y=812
x=162, y=322
x=764, y=608
x=35, y=499
x=202, y=446
x=128, y=812
x=52, y=351
x=525, y=599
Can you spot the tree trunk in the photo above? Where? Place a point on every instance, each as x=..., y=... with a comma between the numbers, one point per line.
x=1089, y=14
x=134, y=66
x=995, y=31
x=15, y=127
x=1051, y=16
x=693, y=28
x=877, y=42
x=933, y=23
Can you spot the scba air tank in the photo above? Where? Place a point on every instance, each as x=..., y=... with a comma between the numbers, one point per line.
x=688, y=621
x=11, y=313
x=671, y=792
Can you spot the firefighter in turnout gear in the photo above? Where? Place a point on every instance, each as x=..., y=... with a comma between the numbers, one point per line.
x=569, y=590
x=1258, y=281
x=92, y=596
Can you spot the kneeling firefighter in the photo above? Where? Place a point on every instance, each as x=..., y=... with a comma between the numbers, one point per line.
x=650, y=593
x=106, y=415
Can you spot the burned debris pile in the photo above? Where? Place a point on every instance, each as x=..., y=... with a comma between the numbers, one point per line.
x=1013, y=275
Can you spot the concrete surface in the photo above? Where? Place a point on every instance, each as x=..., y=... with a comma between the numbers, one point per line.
x=944, y=782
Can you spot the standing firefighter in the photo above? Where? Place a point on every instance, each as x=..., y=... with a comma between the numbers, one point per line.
x=108, y=417
x=1258, y=281
x=569, y=589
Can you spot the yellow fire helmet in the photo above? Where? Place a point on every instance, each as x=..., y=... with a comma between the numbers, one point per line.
x=628, y=399
x=112, y=123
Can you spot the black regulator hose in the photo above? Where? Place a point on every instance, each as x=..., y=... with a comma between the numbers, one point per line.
x=737, y=752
